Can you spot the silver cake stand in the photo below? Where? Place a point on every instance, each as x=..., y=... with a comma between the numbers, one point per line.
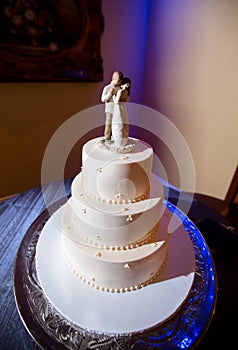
x=51, y=330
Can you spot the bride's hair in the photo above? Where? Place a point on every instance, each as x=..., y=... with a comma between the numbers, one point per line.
x=127, y=81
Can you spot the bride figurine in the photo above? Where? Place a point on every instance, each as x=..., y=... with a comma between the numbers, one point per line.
x=120, y=127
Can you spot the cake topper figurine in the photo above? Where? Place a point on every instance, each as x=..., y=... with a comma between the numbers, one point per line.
x=116, y=131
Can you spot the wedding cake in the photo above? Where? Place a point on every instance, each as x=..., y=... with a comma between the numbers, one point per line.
x=111, y=223
x=115, y=258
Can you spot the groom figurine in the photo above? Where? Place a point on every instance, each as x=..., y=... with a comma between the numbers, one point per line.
x=107, y=97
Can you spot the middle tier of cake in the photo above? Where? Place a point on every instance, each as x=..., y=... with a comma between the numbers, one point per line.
x=103, y=224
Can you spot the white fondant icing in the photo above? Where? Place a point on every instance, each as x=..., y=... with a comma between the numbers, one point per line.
x=105, y=219
x=111, y=225
x=108, y=266
x=114, y=239
x=110, y=221
x=105, y=174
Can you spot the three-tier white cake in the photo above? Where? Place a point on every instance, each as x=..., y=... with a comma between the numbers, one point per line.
x=111, y=237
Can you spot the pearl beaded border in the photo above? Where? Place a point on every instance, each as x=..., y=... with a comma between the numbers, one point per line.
x=146, y=239
x=144, y=196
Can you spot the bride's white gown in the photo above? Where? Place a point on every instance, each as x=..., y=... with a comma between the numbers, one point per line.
x=120, y=127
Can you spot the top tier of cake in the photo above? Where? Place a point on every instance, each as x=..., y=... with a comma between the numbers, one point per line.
x=117, y=178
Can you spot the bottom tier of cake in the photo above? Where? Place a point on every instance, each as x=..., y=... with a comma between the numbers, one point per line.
x=116, y=270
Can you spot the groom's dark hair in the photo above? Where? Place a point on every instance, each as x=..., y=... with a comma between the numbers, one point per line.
x=120, y=74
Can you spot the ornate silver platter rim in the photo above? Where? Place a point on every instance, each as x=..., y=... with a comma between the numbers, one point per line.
x=49, y=328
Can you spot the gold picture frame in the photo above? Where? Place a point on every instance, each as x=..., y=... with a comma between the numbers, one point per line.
x=55, y=40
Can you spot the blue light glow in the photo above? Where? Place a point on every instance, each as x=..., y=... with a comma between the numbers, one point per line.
x=185, y=343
